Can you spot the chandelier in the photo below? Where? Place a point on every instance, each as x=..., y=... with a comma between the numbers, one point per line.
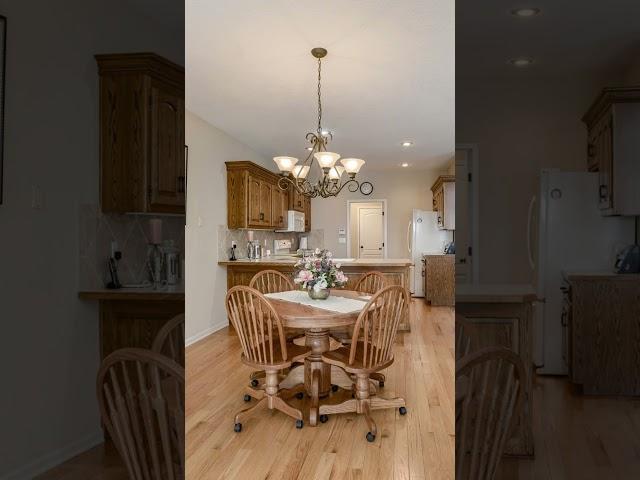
x=331, y=181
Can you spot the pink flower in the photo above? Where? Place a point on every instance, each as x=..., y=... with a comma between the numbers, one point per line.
x=341, y=277
x=304, y=276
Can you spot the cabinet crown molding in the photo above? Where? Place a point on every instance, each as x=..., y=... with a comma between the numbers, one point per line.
x=607, y=97
x=442, y=179
x=141, y=63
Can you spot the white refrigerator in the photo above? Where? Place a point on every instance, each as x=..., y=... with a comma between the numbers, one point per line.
x=423, y=237
x=566, y=232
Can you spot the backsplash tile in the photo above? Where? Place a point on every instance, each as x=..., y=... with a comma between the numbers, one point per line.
x=241, y=237
x=98, y=230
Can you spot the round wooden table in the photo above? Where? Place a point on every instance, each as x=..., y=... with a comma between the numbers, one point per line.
x=316, y=322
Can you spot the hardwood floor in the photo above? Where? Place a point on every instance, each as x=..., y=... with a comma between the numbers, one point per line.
x=99, y=463
x=579, y=437
x=417, y=446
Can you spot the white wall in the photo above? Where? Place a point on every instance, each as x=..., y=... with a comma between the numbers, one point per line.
x=206, y=282
x=403, y=189
x=49, y=355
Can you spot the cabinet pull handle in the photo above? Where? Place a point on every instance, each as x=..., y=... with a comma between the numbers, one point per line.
x=603, y=192
x=262, y=216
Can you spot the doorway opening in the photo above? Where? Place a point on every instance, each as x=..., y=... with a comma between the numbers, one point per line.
x=466, y=237
x=367, y=229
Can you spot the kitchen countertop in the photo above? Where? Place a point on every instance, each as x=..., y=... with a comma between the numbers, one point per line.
x=359, y=262
x=176, y=293
x=599, y=275
x=495, y=293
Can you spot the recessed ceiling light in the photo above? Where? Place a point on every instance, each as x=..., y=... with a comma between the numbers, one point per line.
x=407, y=144
x=405, y=165
x=525, y=12
x=521, y=62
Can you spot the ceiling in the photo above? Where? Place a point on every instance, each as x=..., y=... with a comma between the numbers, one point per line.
x=388, y=77
x=589, y=37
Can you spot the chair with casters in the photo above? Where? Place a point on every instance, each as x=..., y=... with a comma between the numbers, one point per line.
x=170, y=340
x=264, y=348
x=489, y=399
x=141, y=401
x=369, y=283
x=273, y=281
x=371, y=350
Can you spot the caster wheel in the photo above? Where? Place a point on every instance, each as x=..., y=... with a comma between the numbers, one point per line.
x=381, y=384
x=299, y=424
x=237, y=427
x=403, y=410
x=334, y=388
x=254, y=382
x=324, y=418
x=247, y=398
x=370, y=437
x=299, y=395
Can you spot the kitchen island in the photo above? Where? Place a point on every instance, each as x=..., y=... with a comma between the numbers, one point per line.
x=395, y=270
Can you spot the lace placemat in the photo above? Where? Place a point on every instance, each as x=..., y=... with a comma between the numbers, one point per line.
x=334, y=303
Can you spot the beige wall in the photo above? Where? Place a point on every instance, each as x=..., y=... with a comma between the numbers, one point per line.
x=520, y=126
x=403, y=189
x=206, y=282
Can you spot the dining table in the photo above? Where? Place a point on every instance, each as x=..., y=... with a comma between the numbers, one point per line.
x=316, y=318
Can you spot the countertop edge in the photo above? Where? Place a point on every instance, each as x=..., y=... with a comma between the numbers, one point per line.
x=118, y=294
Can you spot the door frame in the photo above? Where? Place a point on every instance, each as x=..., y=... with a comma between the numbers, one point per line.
x=384, y=223
x=473, y=157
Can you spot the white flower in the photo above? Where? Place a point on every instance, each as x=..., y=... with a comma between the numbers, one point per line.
x=321, y=284
x=317, y=251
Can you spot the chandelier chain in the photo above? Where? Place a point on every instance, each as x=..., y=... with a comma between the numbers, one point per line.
x=319, y=98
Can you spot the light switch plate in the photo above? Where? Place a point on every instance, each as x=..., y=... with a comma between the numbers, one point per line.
x=342, y=240
x=342, y=231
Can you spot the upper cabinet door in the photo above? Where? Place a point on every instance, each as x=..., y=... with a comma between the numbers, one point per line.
x=266, y=193
x=253, y=195
x=167, y=185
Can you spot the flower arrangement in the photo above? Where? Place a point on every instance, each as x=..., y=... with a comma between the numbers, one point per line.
x=319, y=273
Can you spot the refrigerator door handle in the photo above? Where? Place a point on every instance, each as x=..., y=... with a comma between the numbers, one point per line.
x=532, y=203
x=409, y=235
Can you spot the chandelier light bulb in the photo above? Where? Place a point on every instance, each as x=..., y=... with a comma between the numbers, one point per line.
x=352, y=165
x=300, y=171
x=336, y=172
x=326, y=159
x=285, y=164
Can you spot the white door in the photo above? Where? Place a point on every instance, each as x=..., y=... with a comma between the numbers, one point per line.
x=463, y=217
x=371, y=232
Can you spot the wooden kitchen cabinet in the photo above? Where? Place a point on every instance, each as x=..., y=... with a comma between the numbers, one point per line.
x=254, y=199
x=279, y=205
x=601, y=331
x=613, y=121
x=142, y=150
x=296, y=200
x=444, y=201
x=439, y=279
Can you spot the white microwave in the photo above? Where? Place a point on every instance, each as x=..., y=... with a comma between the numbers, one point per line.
x=295, y=222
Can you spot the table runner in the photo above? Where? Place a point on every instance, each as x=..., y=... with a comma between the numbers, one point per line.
x=333, y=303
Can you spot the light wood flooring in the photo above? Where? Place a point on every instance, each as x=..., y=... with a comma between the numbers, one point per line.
x=419, y=445
x=579, y=437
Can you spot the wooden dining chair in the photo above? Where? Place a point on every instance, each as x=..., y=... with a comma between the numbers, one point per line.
x=464, y=333
x=370, y=283
x=271, y=281
x=371, y=350
x=492, y=381
x=169, y=340
x=265, y=348
x=141, y=401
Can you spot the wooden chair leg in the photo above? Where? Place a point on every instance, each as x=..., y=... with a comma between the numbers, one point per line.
x=243, y=413
x=379, y=377
x=366, y=411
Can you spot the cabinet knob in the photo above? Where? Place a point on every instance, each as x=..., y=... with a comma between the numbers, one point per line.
x=603, y=192
x=262, y=216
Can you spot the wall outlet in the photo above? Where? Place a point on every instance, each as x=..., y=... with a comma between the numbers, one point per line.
x=233, y=244
x=114, y=248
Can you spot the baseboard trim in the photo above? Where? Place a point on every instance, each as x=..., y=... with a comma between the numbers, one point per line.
x=205, y=333
x=54, y=458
